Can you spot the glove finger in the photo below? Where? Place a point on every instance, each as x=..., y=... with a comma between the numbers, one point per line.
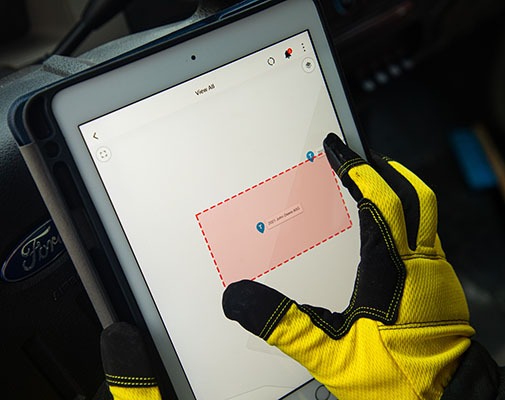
x=365, y=182
x=420, y=206
x=128, y=371
x=342, y=159
x=294, y=329
x=258, y=308
x=405, y=192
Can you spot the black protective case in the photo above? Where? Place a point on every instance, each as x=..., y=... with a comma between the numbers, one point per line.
x=56, y=175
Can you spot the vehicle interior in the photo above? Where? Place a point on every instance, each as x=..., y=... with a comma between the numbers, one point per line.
x=427, y=78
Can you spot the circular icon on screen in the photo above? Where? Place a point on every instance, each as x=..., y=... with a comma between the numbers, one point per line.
x=271, y=61
x=308, y=64
x=103, y=154
x=322, y=393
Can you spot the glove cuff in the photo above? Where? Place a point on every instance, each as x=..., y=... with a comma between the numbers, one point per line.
x=477, y=377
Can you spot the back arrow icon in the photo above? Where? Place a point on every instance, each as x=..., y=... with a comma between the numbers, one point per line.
x=94, y=136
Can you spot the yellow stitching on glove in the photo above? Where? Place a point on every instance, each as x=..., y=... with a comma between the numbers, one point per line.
x=131, y=378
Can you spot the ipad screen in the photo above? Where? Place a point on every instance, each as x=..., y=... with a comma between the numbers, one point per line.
x=222, y=178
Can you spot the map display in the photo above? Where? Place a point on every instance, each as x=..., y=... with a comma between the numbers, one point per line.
x=267, y=225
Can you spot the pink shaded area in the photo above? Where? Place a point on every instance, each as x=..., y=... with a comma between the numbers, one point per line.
x=240, y=251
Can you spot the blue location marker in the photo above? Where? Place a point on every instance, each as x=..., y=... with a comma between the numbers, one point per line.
x=310, y=156
x=260, y=226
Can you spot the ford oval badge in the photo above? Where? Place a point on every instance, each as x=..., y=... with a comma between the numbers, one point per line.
x=36, y=252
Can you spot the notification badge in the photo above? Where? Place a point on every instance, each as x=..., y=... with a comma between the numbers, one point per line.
x=288, y=53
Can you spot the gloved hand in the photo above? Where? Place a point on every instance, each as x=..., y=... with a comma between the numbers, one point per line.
x=126, y=364
x=406, y=325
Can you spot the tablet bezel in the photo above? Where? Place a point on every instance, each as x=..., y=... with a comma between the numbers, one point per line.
x=278, y=20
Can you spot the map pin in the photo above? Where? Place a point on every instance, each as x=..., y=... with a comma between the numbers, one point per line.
x=260, y=226
x=310, y=156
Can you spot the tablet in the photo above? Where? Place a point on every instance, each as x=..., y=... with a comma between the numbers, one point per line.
x=204, y=162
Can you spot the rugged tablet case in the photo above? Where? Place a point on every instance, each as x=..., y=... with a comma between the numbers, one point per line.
x=58, y=180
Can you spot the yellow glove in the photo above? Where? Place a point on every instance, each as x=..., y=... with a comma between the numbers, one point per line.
x=127, y=368
x=406, y=326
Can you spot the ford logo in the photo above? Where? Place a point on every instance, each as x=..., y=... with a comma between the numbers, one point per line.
x=37, y=251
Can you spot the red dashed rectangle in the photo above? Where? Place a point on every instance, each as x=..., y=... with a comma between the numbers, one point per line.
x=275, y=221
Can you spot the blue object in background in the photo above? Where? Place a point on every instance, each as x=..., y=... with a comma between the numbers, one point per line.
x=472, y=159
